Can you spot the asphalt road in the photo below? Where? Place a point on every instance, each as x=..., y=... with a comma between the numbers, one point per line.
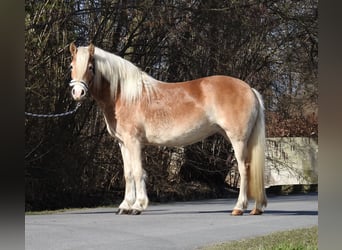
x=180, y=225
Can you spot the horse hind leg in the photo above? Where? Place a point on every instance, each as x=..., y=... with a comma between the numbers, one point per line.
x=240, y=150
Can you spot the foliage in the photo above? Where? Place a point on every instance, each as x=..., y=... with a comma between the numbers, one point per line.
x=72, y=161
x=298, y=239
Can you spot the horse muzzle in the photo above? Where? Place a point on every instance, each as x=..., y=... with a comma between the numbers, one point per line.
x=79, y=89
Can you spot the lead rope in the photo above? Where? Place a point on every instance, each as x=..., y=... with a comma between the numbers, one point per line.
x=55, y=115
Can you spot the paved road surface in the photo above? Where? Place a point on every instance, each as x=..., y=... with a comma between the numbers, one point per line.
x=180, y=225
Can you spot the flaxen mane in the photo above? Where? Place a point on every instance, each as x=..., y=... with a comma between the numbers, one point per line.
x=120, y=73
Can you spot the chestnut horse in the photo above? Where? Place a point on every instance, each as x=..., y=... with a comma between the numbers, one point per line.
x=140, y=110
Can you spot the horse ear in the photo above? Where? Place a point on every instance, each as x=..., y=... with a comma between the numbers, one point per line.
x=73, y=49
x=91, y=49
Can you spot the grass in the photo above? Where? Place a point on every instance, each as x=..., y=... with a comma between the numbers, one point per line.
x=62, y=210
x=298, y=239
x=47, y=212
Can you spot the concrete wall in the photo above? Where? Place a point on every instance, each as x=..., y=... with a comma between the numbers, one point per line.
x=291, y=161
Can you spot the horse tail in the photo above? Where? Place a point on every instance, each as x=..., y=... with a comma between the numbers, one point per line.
x=256, y=148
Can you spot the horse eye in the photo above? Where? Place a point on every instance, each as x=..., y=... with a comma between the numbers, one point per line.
x=91, y=67
x=70, y=67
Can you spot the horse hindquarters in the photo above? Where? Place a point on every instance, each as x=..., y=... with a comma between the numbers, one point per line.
x=250, y=155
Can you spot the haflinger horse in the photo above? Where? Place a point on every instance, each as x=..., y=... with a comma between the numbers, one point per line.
x=140, y=110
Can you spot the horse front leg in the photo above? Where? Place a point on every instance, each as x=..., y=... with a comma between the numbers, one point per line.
x=136, y=199
x=126, y=205
x=139, y=175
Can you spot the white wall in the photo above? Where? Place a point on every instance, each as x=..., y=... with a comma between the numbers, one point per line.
x=290, y=161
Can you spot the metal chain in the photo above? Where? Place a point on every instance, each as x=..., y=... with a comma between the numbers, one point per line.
x=55, y=115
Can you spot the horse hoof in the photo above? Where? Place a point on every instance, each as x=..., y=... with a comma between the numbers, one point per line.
x=123, y=211
x=136, y=212
x=256, y=211
x=237, y=212
x=120, y=211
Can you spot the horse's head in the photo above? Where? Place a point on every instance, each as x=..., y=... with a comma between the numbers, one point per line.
x=82, y=70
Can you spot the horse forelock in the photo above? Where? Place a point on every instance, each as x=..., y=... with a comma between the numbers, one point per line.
x=82, y=59
x=122, y=76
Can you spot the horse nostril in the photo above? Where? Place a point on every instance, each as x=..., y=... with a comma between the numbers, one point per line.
x=73, y=92
x=82, y=92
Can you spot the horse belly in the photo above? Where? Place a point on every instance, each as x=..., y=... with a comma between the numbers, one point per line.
x=176, y=135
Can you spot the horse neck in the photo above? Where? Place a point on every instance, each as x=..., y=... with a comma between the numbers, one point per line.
x=108, y=102
x=100, y=91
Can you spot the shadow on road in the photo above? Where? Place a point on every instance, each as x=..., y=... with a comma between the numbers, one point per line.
x=161, y=212
x=195, y=207
x=285, y=212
